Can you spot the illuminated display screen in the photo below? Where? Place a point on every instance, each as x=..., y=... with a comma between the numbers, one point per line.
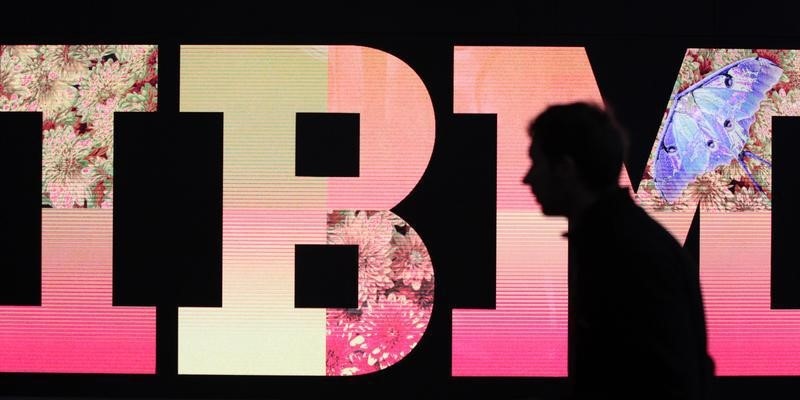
x=712, y=153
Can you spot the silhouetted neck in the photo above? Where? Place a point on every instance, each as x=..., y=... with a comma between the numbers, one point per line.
x=593, y=202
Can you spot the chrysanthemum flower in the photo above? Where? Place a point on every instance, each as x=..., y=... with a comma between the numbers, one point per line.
x=372, y=234
x=66, y=175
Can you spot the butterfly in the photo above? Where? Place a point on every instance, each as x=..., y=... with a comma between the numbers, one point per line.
x=709, y=124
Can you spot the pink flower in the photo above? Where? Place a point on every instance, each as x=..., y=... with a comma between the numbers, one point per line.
x=372, y=234
x=711, y=191
x=345, y=343
x=51, y=94
x=387, y=324
x=346, y=355
x=380, y=336
x=64, y=170
x=67, y=63
x=395, y=327
x=102, y=89
x=411, y=263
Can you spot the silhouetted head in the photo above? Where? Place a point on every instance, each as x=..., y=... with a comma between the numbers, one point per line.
x=577, y=151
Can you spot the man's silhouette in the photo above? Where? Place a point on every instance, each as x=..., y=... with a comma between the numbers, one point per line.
x=637, y=325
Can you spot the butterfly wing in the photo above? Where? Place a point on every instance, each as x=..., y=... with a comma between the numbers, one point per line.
x=709, y=123
x=680, y=156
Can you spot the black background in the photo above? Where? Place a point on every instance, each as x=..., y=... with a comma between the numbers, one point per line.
x=635, y=49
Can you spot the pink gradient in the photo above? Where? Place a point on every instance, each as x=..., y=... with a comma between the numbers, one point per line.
x=76, y=329
x=526, y=335
x=397, y=126
x=745, y=336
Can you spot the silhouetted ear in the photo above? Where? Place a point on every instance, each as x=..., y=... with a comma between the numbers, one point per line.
x=566, y=169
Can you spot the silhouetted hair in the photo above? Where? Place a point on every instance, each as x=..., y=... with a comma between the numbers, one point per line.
x=588, y=134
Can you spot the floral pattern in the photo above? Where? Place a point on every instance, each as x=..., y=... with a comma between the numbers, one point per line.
x=728, y=188
x=77, y=89
x=395, y=293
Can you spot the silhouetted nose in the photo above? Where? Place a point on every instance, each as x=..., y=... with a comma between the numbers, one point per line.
x=527, y=178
